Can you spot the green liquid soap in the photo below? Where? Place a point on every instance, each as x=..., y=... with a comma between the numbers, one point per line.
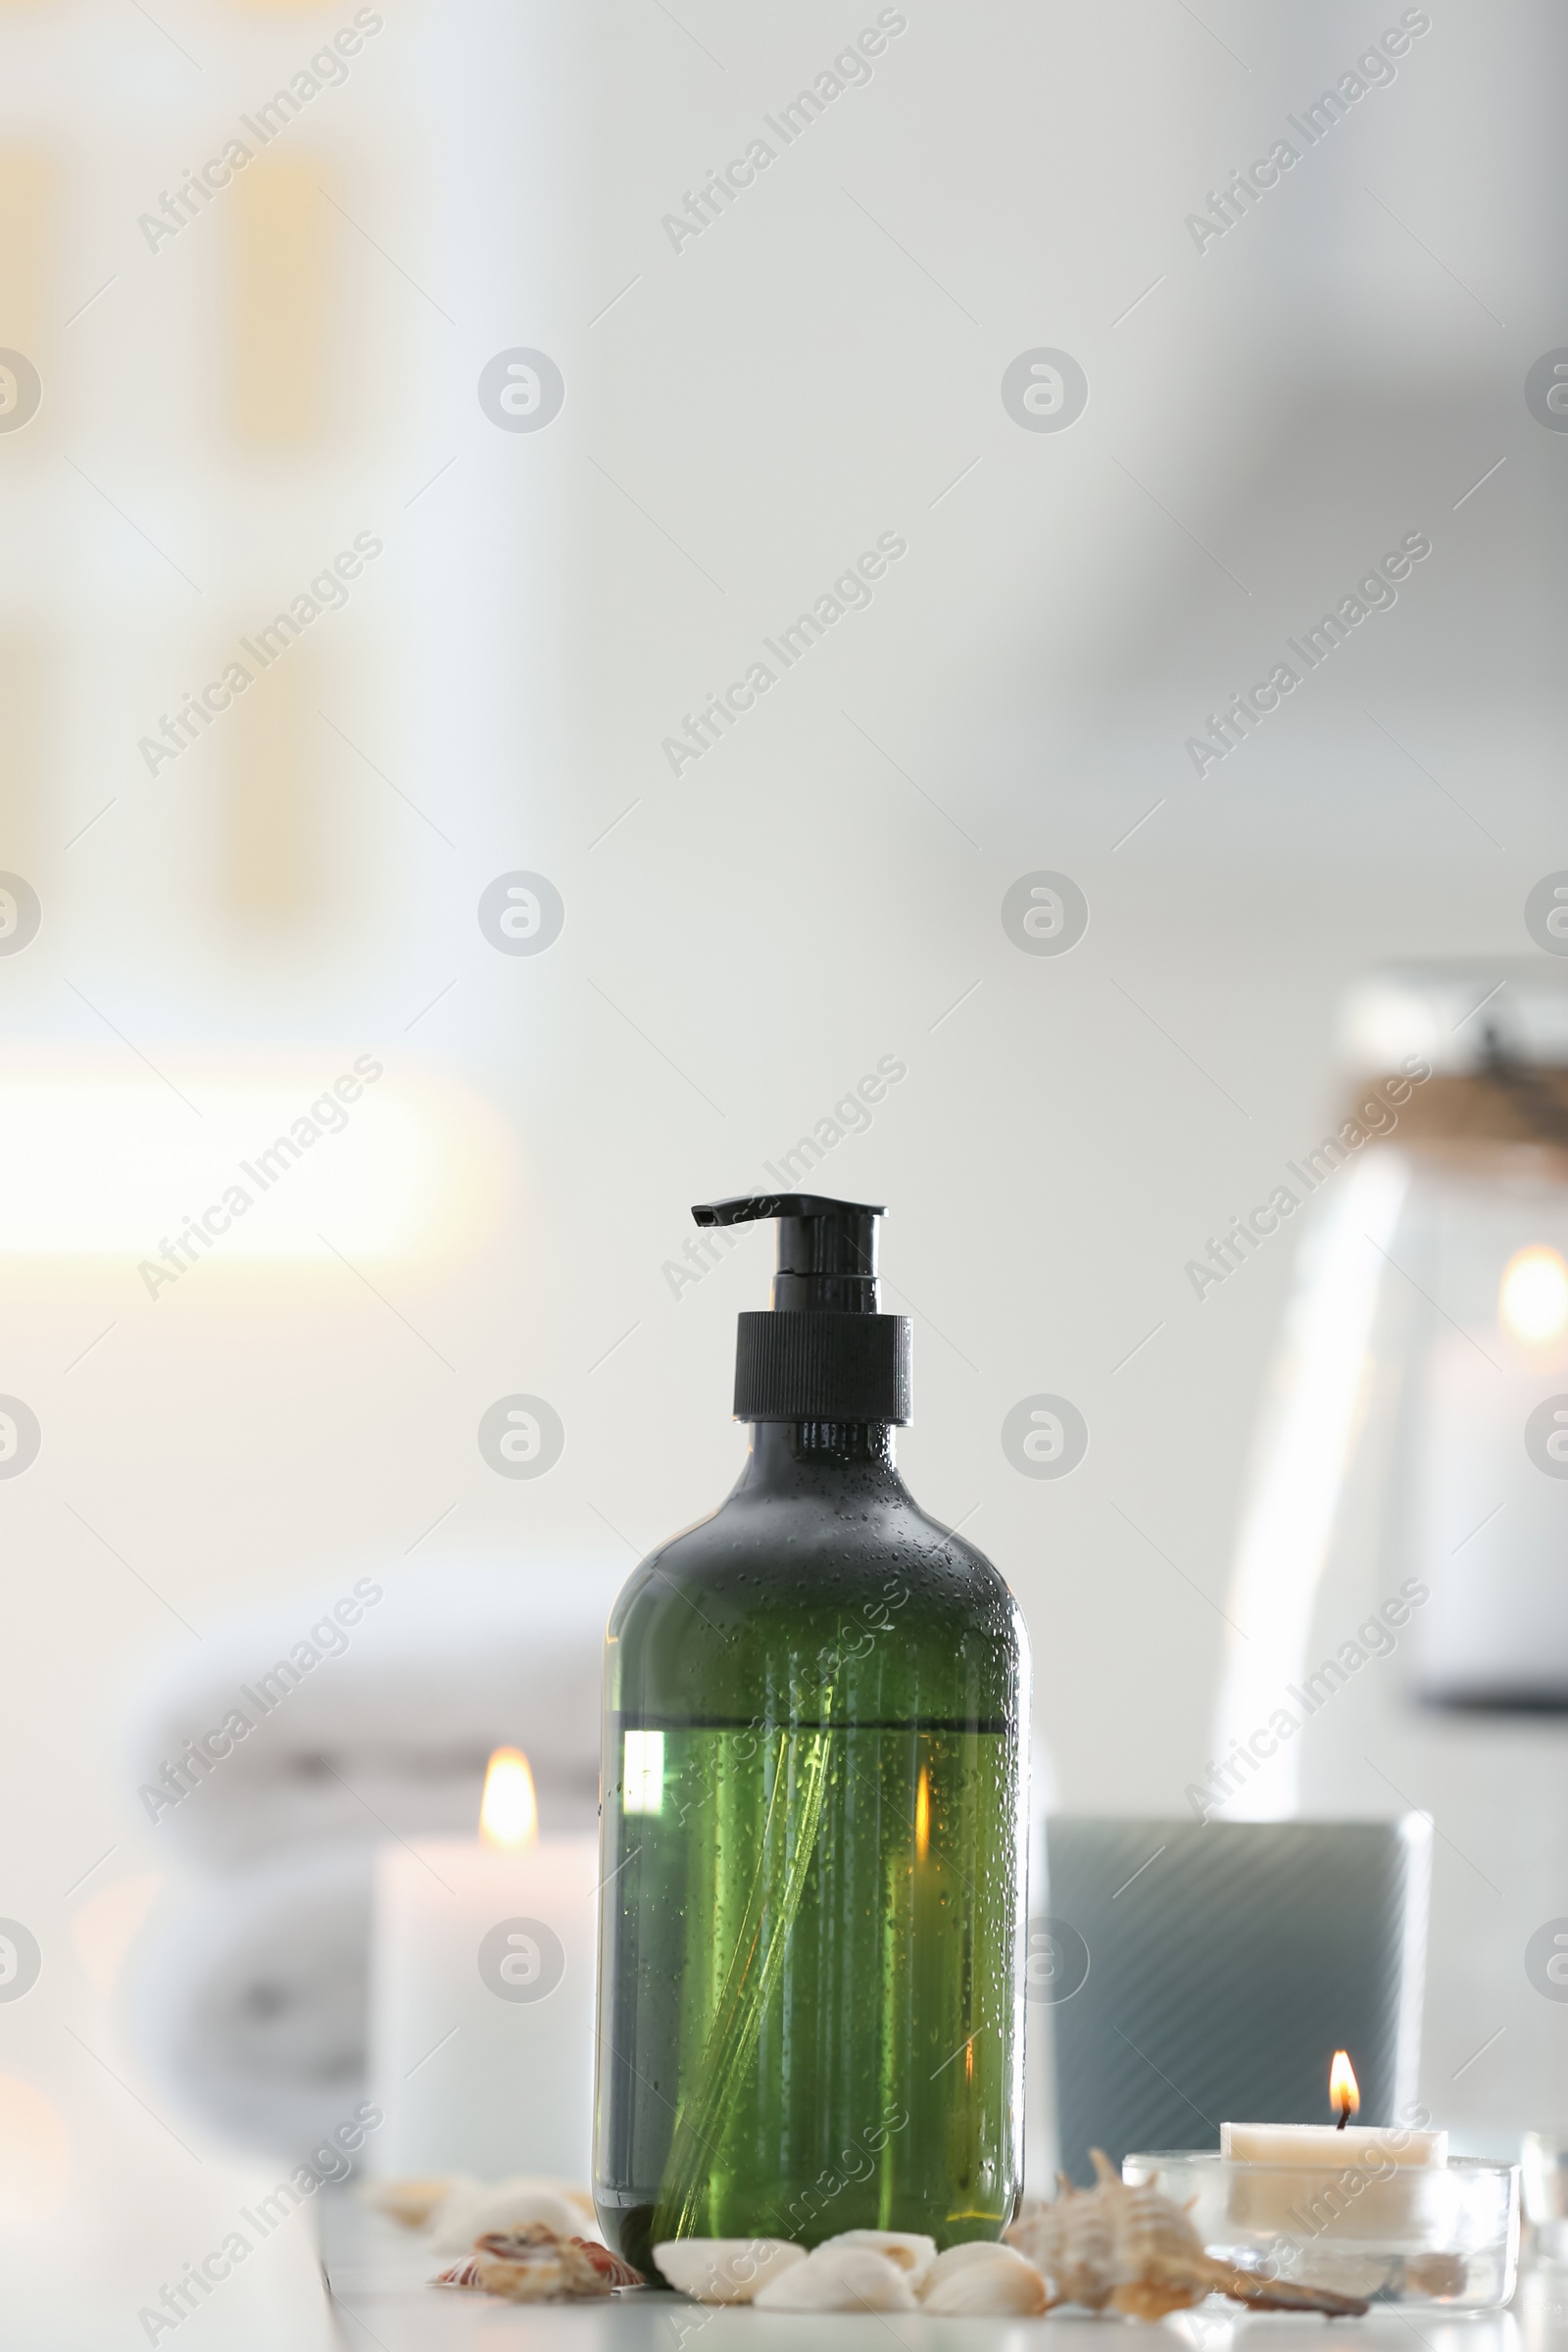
x=814, y=1846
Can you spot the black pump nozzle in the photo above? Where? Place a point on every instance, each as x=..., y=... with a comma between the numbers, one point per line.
x=826, y=1248
x=825, y=1354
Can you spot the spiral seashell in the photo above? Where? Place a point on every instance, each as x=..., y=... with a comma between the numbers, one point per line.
x=911, y=2251
x=840, y=2277
x=1073, y=2242
x=1129, y=2246
x=981, y=2279
x=724, y=2270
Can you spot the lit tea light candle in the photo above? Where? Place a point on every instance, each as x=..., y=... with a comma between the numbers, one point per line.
x=1333, y=2144
x=1337, y=2179
x=482, y=1993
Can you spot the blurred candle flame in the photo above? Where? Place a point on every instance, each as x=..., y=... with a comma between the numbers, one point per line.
x=1344, y=2093
x=922, y=1815
x=1533, y=1296
x=509, y=1813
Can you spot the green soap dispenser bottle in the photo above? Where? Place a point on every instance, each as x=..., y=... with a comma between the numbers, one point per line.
x=815, y=1815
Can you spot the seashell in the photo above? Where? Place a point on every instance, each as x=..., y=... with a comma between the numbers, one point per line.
x=911, y=2251
x=985, y=2278
x=724, y=2270
x=613, y=2267
x=1160, y=2262
x=971, y=2249
x=409, y=2203
x=546, y=2279
x=535, y=2264
x=1132, y=2248
x=1436, y=2275
x=474, y=2207
x=1072, y=2241
x=459, y=2274
x=838, y=2278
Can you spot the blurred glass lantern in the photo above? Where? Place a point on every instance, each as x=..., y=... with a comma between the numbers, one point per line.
x=1399, y=1597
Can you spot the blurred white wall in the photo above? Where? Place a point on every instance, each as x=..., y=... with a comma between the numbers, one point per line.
x=821, y=889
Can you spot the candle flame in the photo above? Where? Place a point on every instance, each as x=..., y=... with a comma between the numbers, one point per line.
x=1533, y=1297
x=922, y=1815
x=1344, y=2093
x=509, y=1813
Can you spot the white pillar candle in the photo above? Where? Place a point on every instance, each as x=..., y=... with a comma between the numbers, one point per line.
x=483, y=2008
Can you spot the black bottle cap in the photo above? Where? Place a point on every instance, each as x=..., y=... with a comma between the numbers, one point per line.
x=824, y=1352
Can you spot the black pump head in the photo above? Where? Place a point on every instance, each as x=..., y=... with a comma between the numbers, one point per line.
x=824, y=1353
x=826, y=1248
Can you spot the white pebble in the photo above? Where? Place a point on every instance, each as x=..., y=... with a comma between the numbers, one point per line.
x=840, y=2277
x=724, y=2270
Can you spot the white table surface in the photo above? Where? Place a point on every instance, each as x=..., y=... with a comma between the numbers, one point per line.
x=378, y=2276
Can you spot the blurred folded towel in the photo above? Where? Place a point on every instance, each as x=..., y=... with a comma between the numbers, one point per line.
x=270, y=1763
x=247, y=1995
x=372, y=1707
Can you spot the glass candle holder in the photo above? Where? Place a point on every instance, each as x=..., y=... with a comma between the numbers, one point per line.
x=1441, y=2234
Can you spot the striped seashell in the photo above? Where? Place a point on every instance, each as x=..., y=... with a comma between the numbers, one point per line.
x=536, y=2264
